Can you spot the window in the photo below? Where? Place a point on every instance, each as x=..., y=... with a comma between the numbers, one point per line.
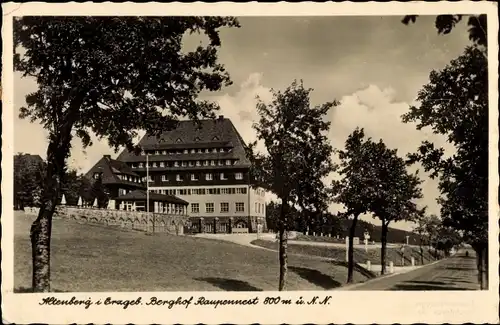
x=164, y=152
x=195, y=208
x=209, y=207
x=205, y=163
x=143, y=153
x=150, y=179
x=162, y=164
x=240, y=206
x=212, y=162
x=133, y=165
x=154, y=164
x=256, y=206
x=186, y=151
x=193, y=150
x=178, y=178
x=178, y=140
x=164, y=192
x=224, y=207
x=183, y=164
x=219, y=163
x=194, y=177
x=176, y=164
x=207, y=150
x=228, y=162
x=225, y=191
x=241, y=190
x=200, y=150
x=221, y=150
x=198, y=163
x=214, y=150
x=215, y=138
x=238, y=175
x=141, y=165
x=222, y=176
x=164, y=178
x=209, y=177
x=197, y=139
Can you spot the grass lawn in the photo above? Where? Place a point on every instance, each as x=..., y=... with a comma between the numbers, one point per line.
x=98, y=258
x=360, y=256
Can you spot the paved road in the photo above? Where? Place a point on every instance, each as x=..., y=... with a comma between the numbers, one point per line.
x=456, y=273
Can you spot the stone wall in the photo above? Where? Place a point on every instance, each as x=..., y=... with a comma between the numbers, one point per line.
x=149, y=222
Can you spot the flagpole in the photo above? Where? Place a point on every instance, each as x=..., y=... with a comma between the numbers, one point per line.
x=147, y=183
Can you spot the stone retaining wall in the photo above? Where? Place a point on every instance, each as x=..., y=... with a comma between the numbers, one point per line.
x=149, y=222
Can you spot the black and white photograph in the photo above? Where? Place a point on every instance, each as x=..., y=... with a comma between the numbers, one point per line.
x=250, y=153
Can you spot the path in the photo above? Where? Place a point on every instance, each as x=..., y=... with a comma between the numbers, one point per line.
x=456, y=273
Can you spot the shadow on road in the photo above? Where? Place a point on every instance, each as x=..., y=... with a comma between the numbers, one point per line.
x=315, y=277
x=426, y=285
x=230, y=284
x=455, y=268
x=357, y=268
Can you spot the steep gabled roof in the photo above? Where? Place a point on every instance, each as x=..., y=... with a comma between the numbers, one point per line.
x=110, y=168
x=190, y=135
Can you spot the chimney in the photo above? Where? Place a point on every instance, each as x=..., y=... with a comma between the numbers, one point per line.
x=108, y=157
x=221, y=117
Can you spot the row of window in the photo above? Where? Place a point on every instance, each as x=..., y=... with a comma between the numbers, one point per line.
x=184, y=151
x=190, y=163
x=224, y=207
x=202, y=191
x=196, y=177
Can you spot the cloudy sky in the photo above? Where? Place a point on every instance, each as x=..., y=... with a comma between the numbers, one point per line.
x=373, y=65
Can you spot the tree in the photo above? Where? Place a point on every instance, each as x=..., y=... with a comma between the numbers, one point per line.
x=427, y=229
x=455, y=104
x=298, y=152
x=358, y=185
x=395, y=194
x=28, y=180
x=70, y=186
x=445, y=24
x=109, y=76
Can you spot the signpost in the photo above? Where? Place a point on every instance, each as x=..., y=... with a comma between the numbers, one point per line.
x=367, y=237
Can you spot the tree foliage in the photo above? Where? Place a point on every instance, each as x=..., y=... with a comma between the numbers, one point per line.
x=28, y=180
x=297, y=158
x=109, y=76
x=455, y=104
x=445, y=24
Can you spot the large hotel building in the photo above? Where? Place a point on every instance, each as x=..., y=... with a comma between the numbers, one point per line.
x=204, y=164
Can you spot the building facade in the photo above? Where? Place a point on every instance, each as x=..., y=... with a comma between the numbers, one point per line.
x=204, y=164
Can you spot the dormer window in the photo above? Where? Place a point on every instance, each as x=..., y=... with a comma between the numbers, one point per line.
x=194, y=177
x=143, y=153
x=183, y=164
x=223, y=177
x=178, y=178
x=154, y=164
x=214, y=150
x=221, y=150
x=162, y=164
x=176, y=164
x=198, y=163
x=164, y=152
x=219, y=162
x=212, y=162
x=205, y=163
x=190, y=164
x=193, y=150
x=141, y=165
x=178, y=140
x=228, y=162
x=216, y=138
x=197, y=139
x=207, y=150
x=200, y=151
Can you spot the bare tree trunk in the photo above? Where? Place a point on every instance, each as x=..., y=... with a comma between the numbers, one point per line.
x=41, y=229
x=283, y=247
x=383, y=249
x=421, y=253
x=482, y=265
x=350, y=252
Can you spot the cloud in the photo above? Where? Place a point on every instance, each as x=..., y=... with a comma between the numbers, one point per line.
x=375, y=110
